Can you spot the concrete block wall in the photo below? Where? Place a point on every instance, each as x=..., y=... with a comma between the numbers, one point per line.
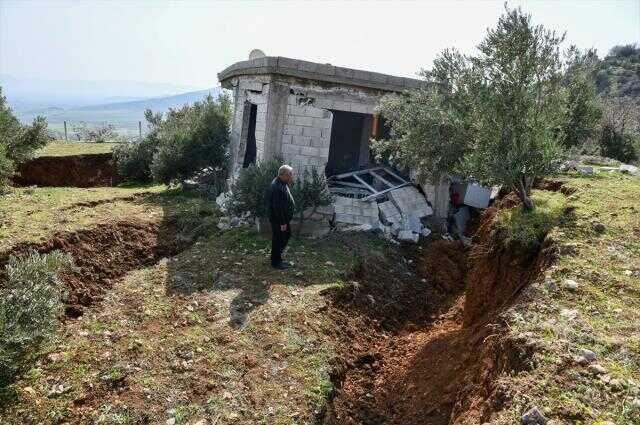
x=306, y=134
x=355, y=211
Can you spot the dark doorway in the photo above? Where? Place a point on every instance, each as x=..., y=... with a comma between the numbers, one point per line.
x=250, y=150
x=348, y=149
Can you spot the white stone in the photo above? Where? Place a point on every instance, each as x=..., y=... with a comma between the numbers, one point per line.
x=630, y=169
x=571, y=284
x=408, y=236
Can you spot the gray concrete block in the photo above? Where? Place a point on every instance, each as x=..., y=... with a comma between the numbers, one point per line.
x=304, y=121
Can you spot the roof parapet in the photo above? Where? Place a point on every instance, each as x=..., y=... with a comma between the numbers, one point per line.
x=318, y=72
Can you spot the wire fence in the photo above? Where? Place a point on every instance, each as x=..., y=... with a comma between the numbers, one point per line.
x=71, y=131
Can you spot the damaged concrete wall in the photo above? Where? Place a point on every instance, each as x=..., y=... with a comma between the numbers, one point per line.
x=294, y=119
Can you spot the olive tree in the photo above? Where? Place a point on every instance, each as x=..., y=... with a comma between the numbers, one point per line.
x=431, y=126
x=519, y=105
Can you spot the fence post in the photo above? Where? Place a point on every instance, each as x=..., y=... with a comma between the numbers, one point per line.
x=140, y=129
x=65, y=132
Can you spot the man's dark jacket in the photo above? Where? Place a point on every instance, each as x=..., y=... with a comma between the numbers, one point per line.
x=280, y=202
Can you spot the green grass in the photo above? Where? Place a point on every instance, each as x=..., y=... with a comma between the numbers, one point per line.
x=62, y=148
x=607, y=307
x=529, y=228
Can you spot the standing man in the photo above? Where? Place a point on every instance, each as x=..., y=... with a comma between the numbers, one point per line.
x=280, y=204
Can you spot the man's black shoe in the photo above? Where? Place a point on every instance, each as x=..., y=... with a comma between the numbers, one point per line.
x=281, y=266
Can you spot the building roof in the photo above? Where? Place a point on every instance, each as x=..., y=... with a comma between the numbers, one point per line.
x=317, y=72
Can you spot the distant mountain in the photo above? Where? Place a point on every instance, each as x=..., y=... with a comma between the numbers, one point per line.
x=124, y=116
x=28, y=93
x=158, y=104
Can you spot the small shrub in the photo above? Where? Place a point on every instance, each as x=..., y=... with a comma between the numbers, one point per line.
x=29, y=305
x=619, y=146
x=133, y=160
x=310, y=191
x=248, y=193
x=192, y=138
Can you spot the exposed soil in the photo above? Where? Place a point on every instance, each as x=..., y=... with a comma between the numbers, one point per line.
x=101, y=254
x=440, y=365
x=88, y=170
x=555, y=186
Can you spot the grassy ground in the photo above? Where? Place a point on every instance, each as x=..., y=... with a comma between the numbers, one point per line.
x=34, y=214
x=602, y=314
x=212, y=334
x=61, y=148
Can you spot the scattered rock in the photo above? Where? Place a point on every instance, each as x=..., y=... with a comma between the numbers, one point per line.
x=636, y=403
x=571, y=284
x=57, y=390
x=585, y=170
x=582, y=361
x=628, y=169
x=171, y=421
x=569, y=313
x=533, y=416
x=588, y=354
x=598, y=227
x=330, y=263
x=596, y=369
x=550, y=284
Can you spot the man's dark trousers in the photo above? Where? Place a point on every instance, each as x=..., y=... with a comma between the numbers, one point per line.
x=279, y=240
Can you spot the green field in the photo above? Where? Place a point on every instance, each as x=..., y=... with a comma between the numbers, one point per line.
x=62, y=148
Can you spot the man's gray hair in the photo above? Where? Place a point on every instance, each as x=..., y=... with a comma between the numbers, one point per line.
x=285, y=169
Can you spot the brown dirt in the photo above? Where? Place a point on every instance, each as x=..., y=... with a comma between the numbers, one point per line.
x=442, y=368
x=89, y=170
x=555, y=186
x=444, y=263
x=101, y=254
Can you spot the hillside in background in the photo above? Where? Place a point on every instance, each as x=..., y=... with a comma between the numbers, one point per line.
x=619, y=72
x=124, y=116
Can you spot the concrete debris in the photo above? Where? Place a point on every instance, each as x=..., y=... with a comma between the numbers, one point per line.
x=222, y=199
x=359, y=228
x=410, y=202
x=585, y=170
x=533, y=416
x=426, y=231
x=476, y=196
x=628, y=169
x=389, y=213
x=408, y=236
x=355, y=211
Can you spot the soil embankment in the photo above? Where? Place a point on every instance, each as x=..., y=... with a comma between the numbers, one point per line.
x=442, y=367
x=102, y=254
x=88, y=170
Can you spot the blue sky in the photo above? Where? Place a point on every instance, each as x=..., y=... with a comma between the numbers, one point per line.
x=188, y=43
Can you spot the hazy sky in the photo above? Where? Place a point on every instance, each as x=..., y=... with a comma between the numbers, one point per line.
x=189, y=42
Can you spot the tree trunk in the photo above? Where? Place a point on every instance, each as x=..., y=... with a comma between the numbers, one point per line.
x=523, y=193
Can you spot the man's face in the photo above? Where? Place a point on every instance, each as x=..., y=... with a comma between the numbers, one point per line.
x=288, y=177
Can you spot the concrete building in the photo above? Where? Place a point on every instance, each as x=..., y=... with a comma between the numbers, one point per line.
x=309, y=114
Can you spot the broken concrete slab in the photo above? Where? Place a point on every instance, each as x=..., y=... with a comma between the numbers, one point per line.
x=389, y=212
x=410, y=202
x=476, y=196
